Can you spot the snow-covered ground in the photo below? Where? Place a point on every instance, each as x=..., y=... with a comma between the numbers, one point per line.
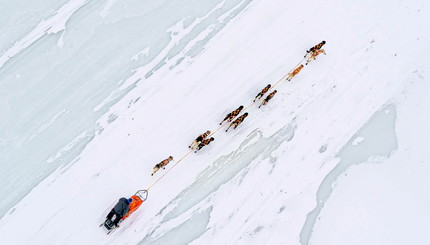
x=95, y=93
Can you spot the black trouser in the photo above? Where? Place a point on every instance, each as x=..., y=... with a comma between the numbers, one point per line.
x=117, y=218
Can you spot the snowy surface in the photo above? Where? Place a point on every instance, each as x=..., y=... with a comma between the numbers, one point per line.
x=95, y=93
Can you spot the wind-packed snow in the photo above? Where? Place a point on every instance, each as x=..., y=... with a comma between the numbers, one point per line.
x=95, y=93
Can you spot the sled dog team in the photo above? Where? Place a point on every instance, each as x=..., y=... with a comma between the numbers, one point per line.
x=125, y=206
x=203, y=139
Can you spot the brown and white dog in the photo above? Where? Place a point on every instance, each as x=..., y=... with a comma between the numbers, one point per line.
x=314, y=55
x=162, y=164
x=295, y=72
x=199, y=139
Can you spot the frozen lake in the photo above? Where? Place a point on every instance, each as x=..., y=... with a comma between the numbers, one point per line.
x=94, y=93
